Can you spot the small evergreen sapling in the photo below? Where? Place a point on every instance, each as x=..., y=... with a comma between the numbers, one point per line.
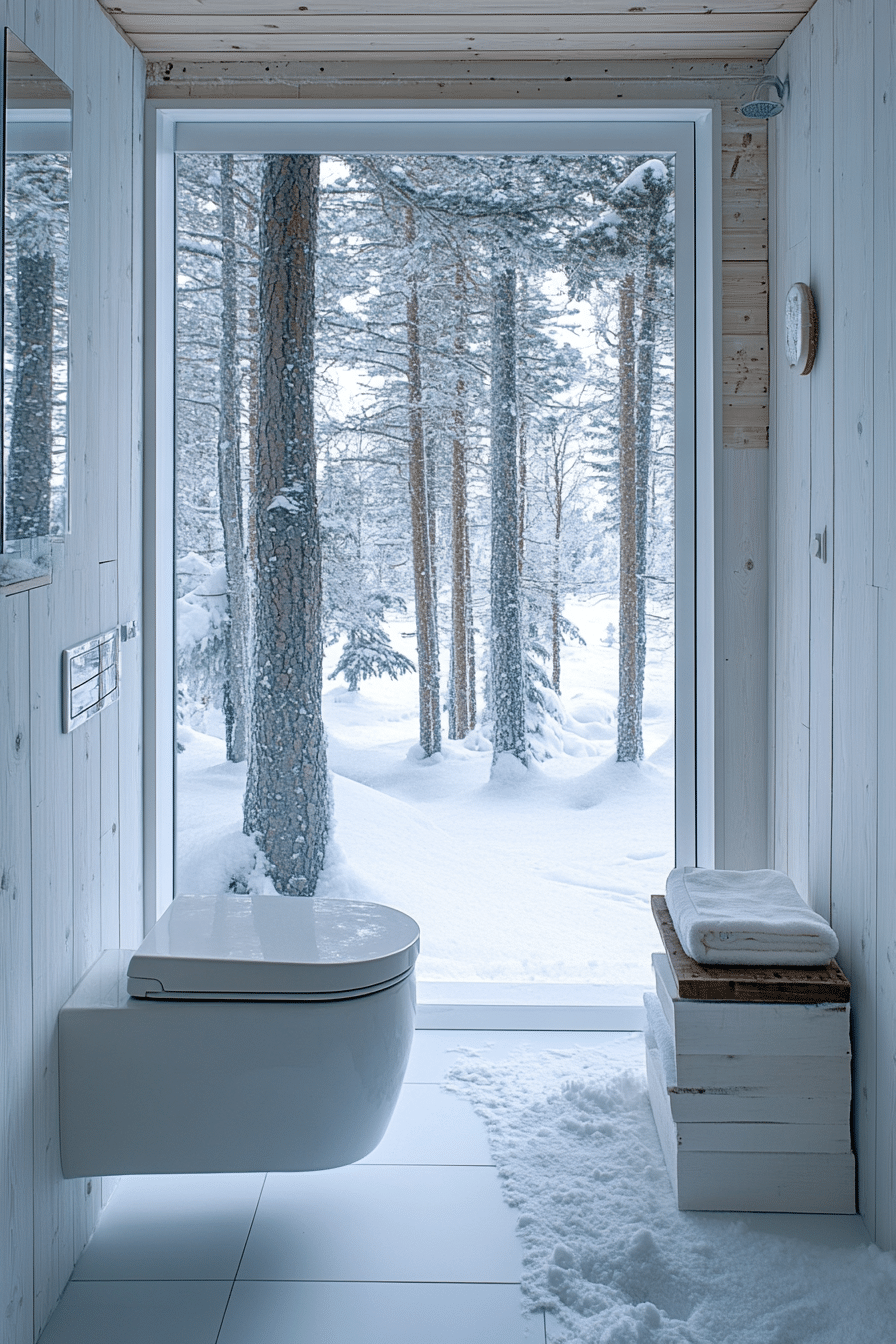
x=368, y=651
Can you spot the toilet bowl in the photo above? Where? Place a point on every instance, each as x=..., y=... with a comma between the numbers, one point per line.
x=246, y=1033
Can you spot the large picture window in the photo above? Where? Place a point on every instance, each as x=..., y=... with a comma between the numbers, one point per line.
x=433, y=506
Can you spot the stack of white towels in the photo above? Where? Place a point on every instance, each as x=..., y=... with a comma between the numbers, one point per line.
x=746, y=919
x=751, y=1100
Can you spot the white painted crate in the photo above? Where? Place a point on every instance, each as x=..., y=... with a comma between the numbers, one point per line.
x=722, y=1179
x=748, y=1128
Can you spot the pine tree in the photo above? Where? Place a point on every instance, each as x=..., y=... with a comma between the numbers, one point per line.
x=368, y=651
x=404, y=315
x=630, y=745
x=420, y=471
x=636, y=231
x=287, y=793
x=36, y=206
x=507, y=673
x=462, y=700
x=230, y=492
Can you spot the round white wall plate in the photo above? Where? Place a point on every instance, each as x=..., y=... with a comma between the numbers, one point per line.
x=800, y=328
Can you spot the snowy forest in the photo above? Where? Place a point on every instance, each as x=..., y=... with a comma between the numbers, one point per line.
x=35, y=345
x=424, y=532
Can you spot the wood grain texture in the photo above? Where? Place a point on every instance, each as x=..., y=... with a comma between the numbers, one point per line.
x=884, y=560
x=884, y=197
x=746, y=436
x=841, y=236
x=392, y=20
x=855, y=670
x=748, y=245
x=52, y=923
x=206, y=11
x=743, y=408
x=884, y=1095
x=288, y=32
x=703, y=1028
x=757, y=46
x=501, y=28
x=130, y=522
x=745, y=365
x=744, y=298
x=820, y=276
x=108, y=726
x=16, y=1116
x=746, y=984
x=743, y=690
x=790, y=473
x=457, y=77
x=54, y=928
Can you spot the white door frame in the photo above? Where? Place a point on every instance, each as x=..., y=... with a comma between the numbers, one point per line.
x=692, y=132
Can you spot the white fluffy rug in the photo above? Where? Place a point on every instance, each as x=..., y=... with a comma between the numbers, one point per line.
x=607, y=1252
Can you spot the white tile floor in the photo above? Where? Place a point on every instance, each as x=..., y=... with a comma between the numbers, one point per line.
x=414, y=1245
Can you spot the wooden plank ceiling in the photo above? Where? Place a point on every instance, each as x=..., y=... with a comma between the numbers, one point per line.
x=458, y=29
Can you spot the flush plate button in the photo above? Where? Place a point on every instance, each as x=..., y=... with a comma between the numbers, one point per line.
x=90, y=675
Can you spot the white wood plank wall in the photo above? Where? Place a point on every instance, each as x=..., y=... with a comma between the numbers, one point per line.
x=70, y=811
x=834, y=626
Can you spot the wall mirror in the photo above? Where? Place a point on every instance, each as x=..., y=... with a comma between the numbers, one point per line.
x=37, y=139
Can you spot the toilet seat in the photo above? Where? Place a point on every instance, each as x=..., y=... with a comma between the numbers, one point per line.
x=273, y=949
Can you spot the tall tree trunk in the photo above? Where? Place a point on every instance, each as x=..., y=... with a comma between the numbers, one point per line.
x=463, y=669
x=252, y=331
x=462, y=654
x=521, y=530
x=507, y=675
x=471, y=644
x=644, y=399
x=557, y=511
x=521, y=301
x=30, y=460
x=421, y=530
x=629, y=743
x=230, y=486
x=287, y=791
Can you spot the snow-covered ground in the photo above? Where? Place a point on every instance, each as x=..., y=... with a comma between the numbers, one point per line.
x=533, y=876
x=605, y=1248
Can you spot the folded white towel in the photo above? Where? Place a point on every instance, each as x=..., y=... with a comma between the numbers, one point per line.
x=746, y=919
x=659, y=1034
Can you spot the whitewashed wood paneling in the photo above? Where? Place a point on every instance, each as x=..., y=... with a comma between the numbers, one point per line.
x=16, y=1071
x=61, y=801
x=790, y=459
x=454, y=78
x=884, y=568
x=820, y=276
x=130, y=533
x=202, y=10
x=834, y=213
x=854, y=819
x=506, y=28
x=743, y=693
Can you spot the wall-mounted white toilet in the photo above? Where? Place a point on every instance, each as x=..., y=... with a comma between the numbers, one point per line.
x=246, y=1033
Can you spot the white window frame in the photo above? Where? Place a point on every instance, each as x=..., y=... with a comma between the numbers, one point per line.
x=692, y=132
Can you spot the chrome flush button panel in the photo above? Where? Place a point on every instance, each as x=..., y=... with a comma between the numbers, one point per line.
x=89, y=678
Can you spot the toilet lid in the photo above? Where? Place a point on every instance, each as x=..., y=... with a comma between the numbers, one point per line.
x=272, y=947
